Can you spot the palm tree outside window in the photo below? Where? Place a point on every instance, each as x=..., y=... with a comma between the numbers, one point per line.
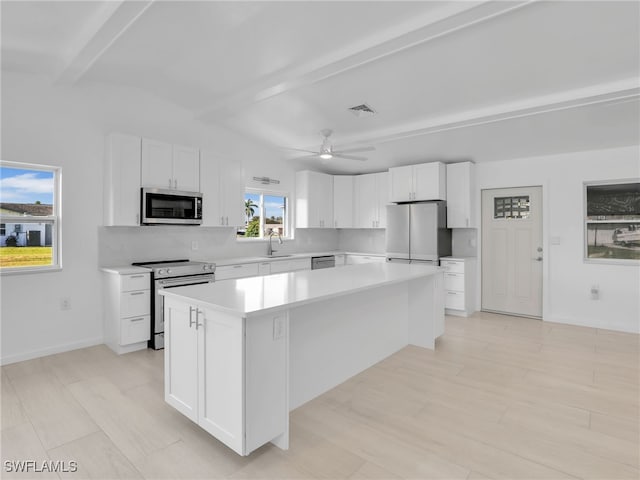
x=265, y=212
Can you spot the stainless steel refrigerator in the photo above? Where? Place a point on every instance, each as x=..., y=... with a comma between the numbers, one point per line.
x=417, y=232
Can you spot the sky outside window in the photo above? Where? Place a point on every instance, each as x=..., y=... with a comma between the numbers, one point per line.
x=26, y=186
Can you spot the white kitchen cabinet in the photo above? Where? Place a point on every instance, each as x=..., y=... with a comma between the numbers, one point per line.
x=459, y=285
x=170, y=166
x=460, y=192
x=291, y=265
x=122, y=180
x=226, y=374
x=314, y=200
x=354, y=259
x=264, y=268
x=241, y=270
x=127, y=311
x=343, y=201
x=425, y=181
x=208, y=389
x=371, y=196
x=222, y=191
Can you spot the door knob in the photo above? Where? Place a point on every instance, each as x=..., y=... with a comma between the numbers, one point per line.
x=538, y=259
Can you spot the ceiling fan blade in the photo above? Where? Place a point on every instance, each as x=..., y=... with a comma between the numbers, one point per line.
x=356, y=149
x=349, y=157
x=300, y=150
x=313, y=155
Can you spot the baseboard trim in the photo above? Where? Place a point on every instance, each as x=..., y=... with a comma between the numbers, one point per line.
x=589, y=323
x=20, y=357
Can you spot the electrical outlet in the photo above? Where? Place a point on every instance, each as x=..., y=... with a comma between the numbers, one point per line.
x=278, y=328
x=595, y=292
x=194, y=245
x=65, y=303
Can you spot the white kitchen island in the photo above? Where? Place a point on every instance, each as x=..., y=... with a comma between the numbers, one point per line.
x=240, y=354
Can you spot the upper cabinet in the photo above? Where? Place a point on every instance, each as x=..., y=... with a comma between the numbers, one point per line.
x=170, y=166
x=222, y=191
x=314, y=200
x=426, y=181
x=460, y=191
x=371, y=196
x=122, y=180
x=343, y=201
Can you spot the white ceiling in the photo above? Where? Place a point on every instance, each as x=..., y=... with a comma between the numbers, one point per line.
x=484, y=80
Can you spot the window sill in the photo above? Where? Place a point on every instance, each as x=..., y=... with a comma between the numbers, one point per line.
x=28, y=270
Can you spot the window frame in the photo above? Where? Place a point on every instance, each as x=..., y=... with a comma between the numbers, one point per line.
x=55, y=220
x=289, y=231
x=618, y=218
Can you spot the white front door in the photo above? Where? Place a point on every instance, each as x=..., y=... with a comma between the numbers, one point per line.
x=512, y=251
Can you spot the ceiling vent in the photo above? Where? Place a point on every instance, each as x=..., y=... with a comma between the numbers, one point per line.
x=362, y=110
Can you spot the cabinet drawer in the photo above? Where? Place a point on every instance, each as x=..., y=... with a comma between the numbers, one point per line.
x=455, y=266
x=454, y=281
x=135, y=329
x=135, y=281
x=454, y=300
x=135, y=304
x=226, y=272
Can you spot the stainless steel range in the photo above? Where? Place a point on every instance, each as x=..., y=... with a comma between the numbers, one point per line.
x=169, y=274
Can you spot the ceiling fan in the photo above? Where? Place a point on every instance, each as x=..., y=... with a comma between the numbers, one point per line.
x=327, y=152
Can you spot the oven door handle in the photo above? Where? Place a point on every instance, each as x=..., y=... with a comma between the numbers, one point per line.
x=182, y=281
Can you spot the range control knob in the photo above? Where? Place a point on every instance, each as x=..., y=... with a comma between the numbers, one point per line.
x=204, y=267
x=160, y=271
x=168, y=271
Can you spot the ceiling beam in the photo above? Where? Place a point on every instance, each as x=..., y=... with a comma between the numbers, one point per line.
x=605, y=94
x=109, y=23
x=454, y=17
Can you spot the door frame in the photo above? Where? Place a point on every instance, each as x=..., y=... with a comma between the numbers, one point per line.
x=546, y=253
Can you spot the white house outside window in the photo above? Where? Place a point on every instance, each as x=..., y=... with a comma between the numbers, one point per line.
x=29, y=217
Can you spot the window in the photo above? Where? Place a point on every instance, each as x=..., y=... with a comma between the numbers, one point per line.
x=612, y=222
x=511, y=207
x=30, y=216
x=265, y=213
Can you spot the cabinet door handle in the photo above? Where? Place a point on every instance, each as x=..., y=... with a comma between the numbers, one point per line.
x=137, y=319
x=136, y=293
x=227, y=220
x=191, y=322
x=175, y=184
x=136, y=276
x=198, y=324
x=169, y=183
x=237, y=266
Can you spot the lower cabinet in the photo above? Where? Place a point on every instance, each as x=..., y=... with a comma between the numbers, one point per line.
x=459, y=283
x=241, y=270
x=280, y=266
x=352, y=259
x=227, y=374
x=127, y=310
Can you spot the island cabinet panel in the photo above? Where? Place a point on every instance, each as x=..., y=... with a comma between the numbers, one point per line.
x=227, y=374
x=221, y=377
x=181, y=359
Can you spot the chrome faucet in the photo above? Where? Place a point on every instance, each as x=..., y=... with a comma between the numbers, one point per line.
x=270, y=249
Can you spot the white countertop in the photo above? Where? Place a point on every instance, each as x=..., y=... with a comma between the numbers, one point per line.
x=292, y=256
x=255, y=295
x=125, y=270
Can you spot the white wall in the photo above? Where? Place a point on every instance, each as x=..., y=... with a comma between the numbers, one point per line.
x=66, y=127
x=567, y=277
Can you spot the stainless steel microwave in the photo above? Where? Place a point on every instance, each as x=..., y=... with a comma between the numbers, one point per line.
x=170, y=207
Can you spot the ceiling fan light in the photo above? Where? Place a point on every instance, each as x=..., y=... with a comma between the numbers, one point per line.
x=326, y=156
